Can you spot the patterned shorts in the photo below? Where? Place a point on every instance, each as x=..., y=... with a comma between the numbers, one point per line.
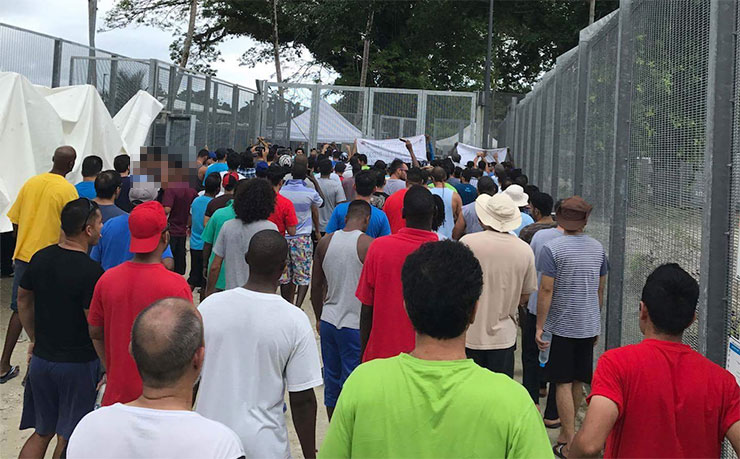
x=300, y=256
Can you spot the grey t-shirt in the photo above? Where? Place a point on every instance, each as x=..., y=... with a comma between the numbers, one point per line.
x=392, y=185
x=472, y=225
x=333, y=194
x=232, y=244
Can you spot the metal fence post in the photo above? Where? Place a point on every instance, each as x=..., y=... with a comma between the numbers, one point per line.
x=213, y=121
x=556, y=133
x=234, y=110
x=206, y=111
x=113, y=86
x=153, y=77
x=543, y=128
x=533, y=161
x=313, y=136
x=622, y=113
x=718, y=179
x=421, y=113
x=56, y=64
x=581, y=99
x=173, y=87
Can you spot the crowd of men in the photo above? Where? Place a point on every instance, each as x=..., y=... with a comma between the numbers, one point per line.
x=421, y=278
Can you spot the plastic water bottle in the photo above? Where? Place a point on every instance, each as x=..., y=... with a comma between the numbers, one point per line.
x=545, y=355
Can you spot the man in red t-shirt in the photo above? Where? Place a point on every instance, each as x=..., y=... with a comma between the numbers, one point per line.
x=660, y=398
x=283, y=216
x=393, y=207
x=385, y=328
x=122, y=292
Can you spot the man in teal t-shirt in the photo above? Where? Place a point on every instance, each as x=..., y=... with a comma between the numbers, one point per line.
x=210, y=234
x=434, y=402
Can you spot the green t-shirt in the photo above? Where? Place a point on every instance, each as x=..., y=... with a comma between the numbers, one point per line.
x=210, y=233
x=447, y=185
x=408, y=407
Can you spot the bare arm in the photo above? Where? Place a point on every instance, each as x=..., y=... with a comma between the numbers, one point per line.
x=363, y=244
x=544, y=298
x=600, y=418
x=167, y=210
x=291, y=229
x=602, y=287
x=524, y=299
x=26, y=312
x=410, y=148
x=98, y=339
x=207, y=247
x=213, y=273
x=303, y=410
x=459, y=230
x=733, y=435
x=366, y=325
x=315, y=218
x=318, y=280
x=456, y=206
x=315, y=182
x=169, y=263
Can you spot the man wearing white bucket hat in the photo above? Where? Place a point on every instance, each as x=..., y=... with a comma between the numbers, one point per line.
x=521, y=199
x=509, y=277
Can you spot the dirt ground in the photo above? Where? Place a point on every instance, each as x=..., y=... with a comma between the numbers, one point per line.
x=11, y=393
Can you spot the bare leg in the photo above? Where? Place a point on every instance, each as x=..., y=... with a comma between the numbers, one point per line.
x=287, y=291
x=61, y=446
x=566, y=410
x=302, y=291
x=14, y=331
x=35, y=446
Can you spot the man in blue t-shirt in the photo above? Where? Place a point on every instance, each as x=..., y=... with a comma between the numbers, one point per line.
x=197, y=217
x=91, y=167
x=219, y=166
x=114, y=250
x=364, y=186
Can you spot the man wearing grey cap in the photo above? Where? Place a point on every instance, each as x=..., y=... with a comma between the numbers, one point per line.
x=509, y=277
x=113, y=248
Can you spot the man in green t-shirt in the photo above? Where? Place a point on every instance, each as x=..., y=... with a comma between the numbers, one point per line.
x=434, y=402
x=209, y=236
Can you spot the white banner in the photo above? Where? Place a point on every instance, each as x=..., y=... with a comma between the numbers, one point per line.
x=390, y=149
x=468, y=152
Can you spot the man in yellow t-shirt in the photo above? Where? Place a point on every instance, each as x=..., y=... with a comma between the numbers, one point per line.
x=433, y=402
x=36, y=217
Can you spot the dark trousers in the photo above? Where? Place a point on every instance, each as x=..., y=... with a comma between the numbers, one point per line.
x=177, y=244
x=496, y=360
x=532, y=374
x=7, y=247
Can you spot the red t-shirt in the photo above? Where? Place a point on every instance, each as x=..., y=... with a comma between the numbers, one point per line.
x=284, y=214
x=393, y=209
x=672, y=401
x=120, y=294
x=391, y=332
x=178, y=197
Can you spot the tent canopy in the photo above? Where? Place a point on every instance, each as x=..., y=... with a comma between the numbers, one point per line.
x=333, y=127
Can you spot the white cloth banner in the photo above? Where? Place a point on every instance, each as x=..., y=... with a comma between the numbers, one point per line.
x=390, y=149
x=468, y=152
x=134, y=119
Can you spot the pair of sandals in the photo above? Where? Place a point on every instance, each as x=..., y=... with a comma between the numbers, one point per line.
x=10, y=374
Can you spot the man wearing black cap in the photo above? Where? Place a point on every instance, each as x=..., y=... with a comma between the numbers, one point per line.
x=569, y=304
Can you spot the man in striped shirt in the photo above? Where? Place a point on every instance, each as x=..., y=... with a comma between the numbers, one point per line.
x=569, y=304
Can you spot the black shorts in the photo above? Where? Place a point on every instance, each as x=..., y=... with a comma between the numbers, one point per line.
x=571, y=359
x=196, y=269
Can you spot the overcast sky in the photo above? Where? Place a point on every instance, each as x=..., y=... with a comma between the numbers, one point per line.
x=68, y=19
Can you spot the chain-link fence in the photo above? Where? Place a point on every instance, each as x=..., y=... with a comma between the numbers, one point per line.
x=642, y=119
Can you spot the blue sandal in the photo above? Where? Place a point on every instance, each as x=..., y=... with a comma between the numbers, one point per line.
x=12, y=373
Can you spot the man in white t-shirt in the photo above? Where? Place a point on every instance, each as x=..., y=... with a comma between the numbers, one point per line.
x=167, y=346
x=258, y=345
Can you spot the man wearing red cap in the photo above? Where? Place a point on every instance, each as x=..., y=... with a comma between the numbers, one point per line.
x=124, y=291
x=569, y=305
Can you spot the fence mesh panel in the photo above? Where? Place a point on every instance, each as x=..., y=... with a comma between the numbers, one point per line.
x=198, y=105
x=394, y=114
x=534, y=170
x=666, y=146
x=342, y=116
x=29, y=55
x=733, y=318
x=545, y=176
x=222, y=122
x=245, y=120
x=448, y=120
x=567, y=128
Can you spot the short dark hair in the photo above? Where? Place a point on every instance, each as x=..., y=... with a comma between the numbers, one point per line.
x=395, y=165
x=91, y=166
x=362, y=157
x=354, y=163
x=221, y=153
x=325, y=167
x=233, y=160
x=521, y=180
x=365, y=183
x=457, y=172
x=77, y=214
x=358, y=208
x=247, y=160
x=202, y=152
x=340, y=167
x=439, y=174
x=467, y=174
x=121, y=163
x=415, y=175
x=542, y=202
x=531, y=189
x=379, y=177
x=437, y=307
x=107, y=183
x=486, y=185
x=380, y=165
x=275, y=174
x=299, y=171
x=439, y=212
x=212, y=183
x=163, y=348
x=254, y=200
x=671, y=295
x=418, y=201
x=267, y=253
x=482, y=164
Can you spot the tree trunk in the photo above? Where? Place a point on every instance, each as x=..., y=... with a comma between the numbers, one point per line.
x=366, y=49
x=591, y=11
x=276, y=41
x=189, y=37
x=92, y=13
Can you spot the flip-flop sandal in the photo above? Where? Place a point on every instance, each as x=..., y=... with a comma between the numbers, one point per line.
x=558, y=450
x=12, y=373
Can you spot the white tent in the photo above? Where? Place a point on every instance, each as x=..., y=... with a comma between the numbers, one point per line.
x=35, y=120
x=446, y=144
x=333, y=127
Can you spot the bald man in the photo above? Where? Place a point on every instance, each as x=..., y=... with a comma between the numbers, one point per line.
x=36, y=217
x=257, y=346
x=167, y=346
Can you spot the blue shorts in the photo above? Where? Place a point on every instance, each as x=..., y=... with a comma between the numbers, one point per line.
x=58, y=395
x=340, y=350
x=19, y=267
